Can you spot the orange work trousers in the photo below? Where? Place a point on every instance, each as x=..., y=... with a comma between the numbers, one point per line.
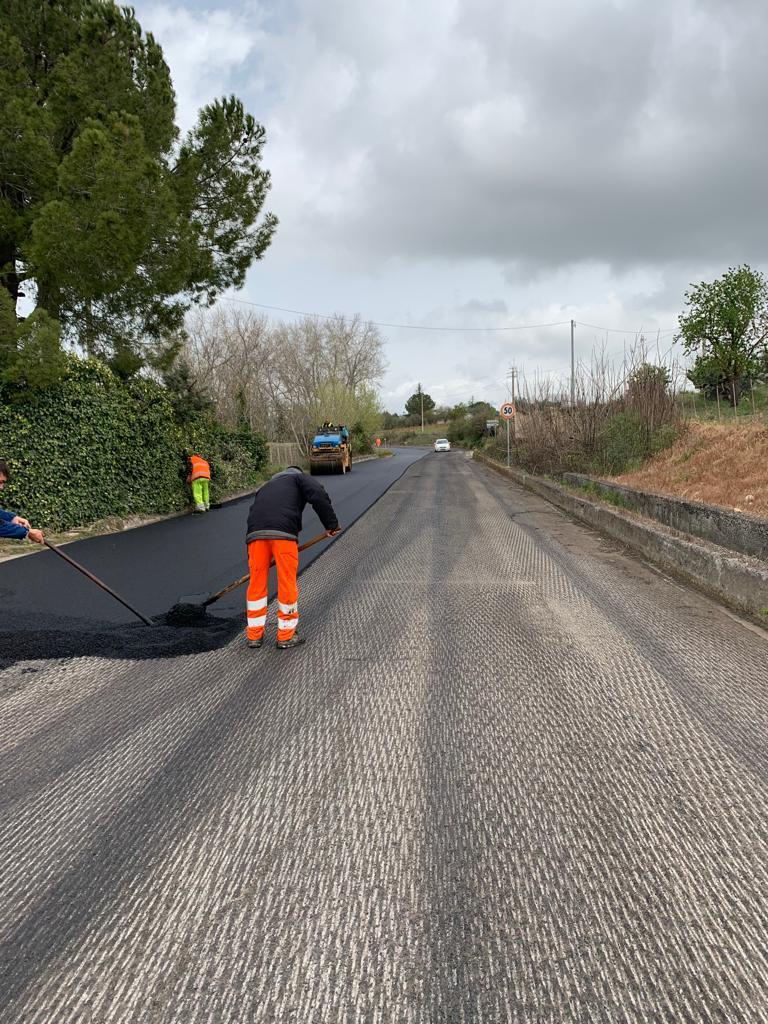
x=286, y=556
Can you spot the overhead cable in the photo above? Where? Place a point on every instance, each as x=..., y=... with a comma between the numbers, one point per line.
x=618, y=330
x=433, y=327
x=408, y=327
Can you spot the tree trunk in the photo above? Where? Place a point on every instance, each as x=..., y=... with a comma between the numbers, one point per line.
x=734, y=390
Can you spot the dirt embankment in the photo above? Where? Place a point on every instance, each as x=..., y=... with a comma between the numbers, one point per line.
x=711, y=462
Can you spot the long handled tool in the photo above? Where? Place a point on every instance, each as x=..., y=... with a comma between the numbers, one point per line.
x=191, y=609
x=98, y=582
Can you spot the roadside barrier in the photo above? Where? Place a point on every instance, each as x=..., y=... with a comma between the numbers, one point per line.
x=735, y=579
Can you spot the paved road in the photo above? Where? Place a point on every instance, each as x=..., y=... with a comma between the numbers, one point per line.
x=516, y=776
x=152, y=567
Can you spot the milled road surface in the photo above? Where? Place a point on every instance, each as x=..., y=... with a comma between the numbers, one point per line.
x=515, y=776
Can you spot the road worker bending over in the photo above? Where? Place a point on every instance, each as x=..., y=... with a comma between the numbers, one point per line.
x=274, y=524
x=200, y=478
x=12, y=525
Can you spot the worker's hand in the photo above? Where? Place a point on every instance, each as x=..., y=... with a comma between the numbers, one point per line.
x=20, y=521
x=36, y=536
x=333, y=533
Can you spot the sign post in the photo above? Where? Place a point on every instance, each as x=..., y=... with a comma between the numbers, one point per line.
x=507, y=412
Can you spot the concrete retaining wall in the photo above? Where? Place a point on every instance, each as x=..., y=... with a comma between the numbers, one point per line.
x=736, y=579
x=734, y=530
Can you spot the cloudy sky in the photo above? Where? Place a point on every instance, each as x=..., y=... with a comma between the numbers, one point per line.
x=475, y=164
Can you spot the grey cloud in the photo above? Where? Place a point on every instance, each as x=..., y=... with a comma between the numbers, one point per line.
x=479, y=306
x=631, y=135
x=548, y=159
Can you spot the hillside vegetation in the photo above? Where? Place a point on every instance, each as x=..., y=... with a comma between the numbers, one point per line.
x=718, y=463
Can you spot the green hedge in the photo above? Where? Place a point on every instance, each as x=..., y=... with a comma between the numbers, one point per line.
x=93, y=446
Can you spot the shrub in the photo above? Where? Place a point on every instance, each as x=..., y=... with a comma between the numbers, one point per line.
x=625, y=442
x=360, y=440
x=468, y=431
x=92, y=446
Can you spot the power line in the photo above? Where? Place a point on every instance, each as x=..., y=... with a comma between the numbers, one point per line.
x=408, y=327
x=618, y=330
x=433, y=327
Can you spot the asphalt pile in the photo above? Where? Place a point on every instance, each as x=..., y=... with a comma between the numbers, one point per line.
x=68, y=638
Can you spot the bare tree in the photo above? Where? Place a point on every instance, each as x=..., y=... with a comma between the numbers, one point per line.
x=280, y=379
x=617, y=411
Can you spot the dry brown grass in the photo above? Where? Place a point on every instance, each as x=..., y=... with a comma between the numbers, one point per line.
x=715, y=463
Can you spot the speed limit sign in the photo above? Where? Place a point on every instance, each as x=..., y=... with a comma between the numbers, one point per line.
x=507, y=411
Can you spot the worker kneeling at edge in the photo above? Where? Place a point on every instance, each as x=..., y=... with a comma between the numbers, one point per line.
x=274, y=524
x=12, y=525
x=200, y=478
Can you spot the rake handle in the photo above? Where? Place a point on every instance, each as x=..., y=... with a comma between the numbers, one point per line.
x=244, y=579
x=97, y=581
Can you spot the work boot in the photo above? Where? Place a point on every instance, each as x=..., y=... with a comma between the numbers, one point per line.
x=294, y=641
x=255, y=644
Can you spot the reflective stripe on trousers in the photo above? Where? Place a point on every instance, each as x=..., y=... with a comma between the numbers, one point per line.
x=286, y=556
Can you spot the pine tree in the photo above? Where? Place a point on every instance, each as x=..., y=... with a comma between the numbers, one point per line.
x=110, y=222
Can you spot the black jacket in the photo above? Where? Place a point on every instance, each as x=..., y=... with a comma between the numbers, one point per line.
x=278, y=506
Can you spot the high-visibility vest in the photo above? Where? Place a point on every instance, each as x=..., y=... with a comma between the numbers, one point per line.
x=200, y=468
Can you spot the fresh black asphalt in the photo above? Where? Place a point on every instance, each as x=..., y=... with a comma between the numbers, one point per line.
x=153, y=566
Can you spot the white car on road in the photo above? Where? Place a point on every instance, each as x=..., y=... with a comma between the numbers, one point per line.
x=442, y=444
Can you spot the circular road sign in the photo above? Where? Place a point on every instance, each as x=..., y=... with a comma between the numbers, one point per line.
x=507, y=411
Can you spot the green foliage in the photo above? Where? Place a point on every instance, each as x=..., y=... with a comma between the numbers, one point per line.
x=222, y=188
x=468, y=431
x=647, y=383
x=727, y=323
x=459, y=411
x=413, y=437
x=92, y=446
x=30, y=350
x=357, y=409
x=594, y=490
x=754, y=403
x=419, y=400
x=708, y=375
x=467, y=423
x=112, y=225
x=391, y=421
x=624, y=443
x=187, y=399
x=360, y=440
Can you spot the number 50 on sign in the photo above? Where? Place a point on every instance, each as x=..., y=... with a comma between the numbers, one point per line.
x=507, y=411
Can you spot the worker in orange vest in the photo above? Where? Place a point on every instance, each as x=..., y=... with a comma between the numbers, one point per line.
x=199, y=477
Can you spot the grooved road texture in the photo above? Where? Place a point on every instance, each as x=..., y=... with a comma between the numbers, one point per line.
x=515, y=776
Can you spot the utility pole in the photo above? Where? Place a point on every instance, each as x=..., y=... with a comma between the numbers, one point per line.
x=511, y=372
x=514, y=418
x=422, y=408
x=573, y=368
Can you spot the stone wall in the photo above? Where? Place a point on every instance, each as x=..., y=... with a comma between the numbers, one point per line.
x=729, y=529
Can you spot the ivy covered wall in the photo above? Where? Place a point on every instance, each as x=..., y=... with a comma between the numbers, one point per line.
x=92, y=446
